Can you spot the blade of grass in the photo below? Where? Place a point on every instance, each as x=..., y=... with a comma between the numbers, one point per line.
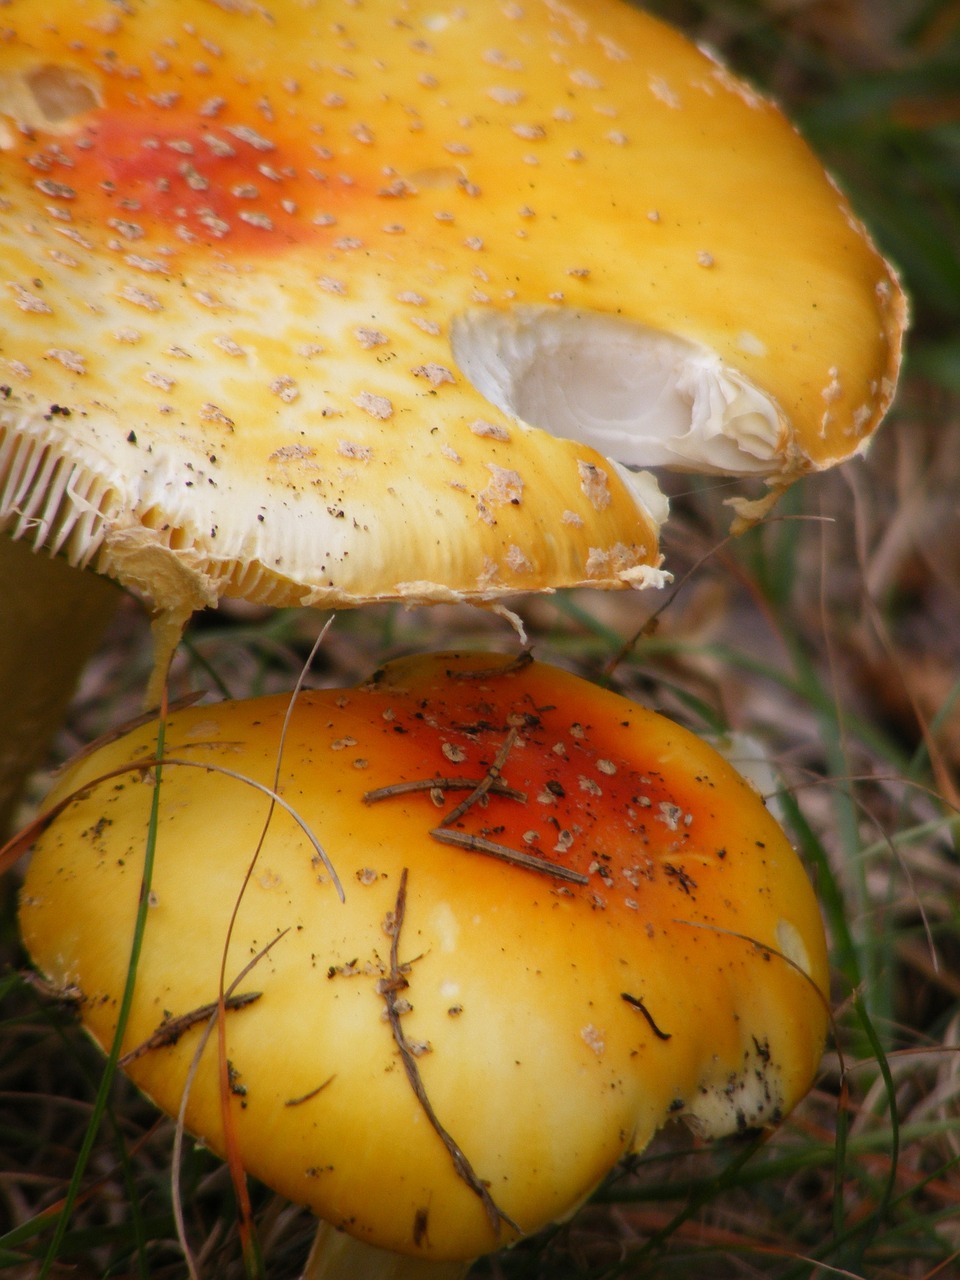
x=126, y=1002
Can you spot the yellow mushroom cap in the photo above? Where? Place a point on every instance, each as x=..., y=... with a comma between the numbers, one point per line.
x=324, y=303
x=660, y=954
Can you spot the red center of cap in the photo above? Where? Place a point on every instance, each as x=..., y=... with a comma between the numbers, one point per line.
x=243, y=188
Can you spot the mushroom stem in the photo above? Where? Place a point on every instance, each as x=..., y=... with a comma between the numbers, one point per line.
x=50, y=624
x=337, y=1256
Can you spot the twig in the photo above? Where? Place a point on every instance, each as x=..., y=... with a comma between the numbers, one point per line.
x=388, y=988
x=486, y=782
x=170, y=1031
x=305, y=1097
x=439, y=784
x=529, y=861
x=636, y=1003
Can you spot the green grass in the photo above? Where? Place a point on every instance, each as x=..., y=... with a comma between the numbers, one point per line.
x=832, y=634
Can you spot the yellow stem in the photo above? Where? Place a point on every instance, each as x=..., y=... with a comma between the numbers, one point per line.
x=337, y=1256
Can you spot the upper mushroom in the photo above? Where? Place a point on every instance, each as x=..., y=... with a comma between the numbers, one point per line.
x=316, y=303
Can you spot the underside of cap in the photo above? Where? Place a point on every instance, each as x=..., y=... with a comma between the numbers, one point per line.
x=331, y=305
x=182, y=529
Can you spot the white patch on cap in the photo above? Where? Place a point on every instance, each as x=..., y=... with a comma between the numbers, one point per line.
x=638, y=395
x=792, y=946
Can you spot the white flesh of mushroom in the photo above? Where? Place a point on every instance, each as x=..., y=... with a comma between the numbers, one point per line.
x=644, y=397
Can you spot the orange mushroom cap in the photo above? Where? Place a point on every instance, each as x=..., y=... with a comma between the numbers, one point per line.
x=300, y=298
x=616, y=932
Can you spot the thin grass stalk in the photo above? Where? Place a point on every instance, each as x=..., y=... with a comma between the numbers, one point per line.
x=126, y=1002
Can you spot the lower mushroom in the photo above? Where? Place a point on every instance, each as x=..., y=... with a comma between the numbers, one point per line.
x=565, y=919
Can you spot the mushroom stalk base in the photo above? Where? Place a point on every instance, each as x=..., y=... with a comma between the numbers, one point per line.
x=52, y=618
x=337, y=1256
